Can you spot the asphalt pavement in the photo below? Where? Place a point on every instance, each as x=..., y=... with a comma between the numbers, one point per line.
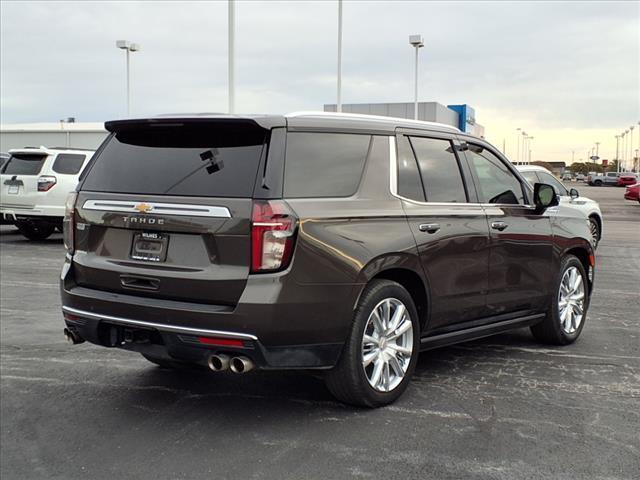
x=503, y=407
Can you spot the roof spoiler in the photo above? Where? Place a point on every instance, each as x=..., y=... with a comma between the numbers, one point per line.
x=265, y=123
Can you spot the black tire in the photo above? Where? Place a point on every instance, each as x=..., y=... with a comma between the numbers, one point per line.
x=594, y=226
x=347, y=381
x=163, y=362
x=550, y=331
x=598, y=183
x=35, y=230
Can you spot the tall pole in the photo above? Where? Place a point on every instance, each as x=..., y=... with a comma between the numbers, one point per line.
x=504, y=144
x=232, y=52
x=339, y=96
x=631, y=146
x=518, y=145
x=415, y=93
x=128, y=87
x=617, y=152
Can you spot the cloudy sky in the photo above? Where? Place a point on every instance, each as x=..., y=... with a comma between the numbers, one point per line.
x=568, y=73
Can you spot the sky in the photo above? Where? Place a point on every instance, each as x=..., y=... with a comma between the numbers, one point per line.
x=568, y=73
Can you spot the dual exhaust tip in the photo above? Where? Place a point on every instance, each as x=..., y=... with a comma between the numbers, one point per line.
x=221, y=362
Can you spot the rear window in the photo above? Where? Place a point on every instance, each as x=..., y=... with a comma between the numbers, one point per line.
x=324, y=164
x=68, y=163
x=190, y=160
x=24, y=164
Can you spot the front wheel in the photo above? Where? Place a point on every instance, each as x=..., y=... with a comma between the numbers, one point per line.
x=381, y=352
x=568, y=310
x=598, y=183
x=594, y=227
x=35, y=230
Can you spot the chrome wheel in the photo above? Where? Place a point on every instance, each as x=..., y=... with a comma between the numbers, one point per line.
x=571, y=300
x=387, y=345
x=595, y=231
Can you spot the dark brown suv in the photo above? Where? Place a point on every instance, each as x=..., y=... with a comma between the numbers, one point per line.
x=342, y=243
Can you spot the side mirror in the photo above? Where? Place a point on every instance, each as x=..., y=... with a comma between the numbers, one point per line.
x=544, y=196
x=573, y=193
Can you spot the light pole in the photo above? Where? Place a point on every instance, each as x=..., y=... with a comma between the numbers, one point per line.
x=524, y=154
x=597, y=149
x=339, y=96
x=231, y=11
x=617, y=152
x=624, y=148
x=631, y=144
x=529, y=145
x=128, y=47
x=417, y=43
x=518, y=145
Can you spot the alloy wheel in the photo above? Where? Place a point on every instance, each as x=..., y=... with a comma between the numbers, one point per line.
x=387, y=345
x=571, y=299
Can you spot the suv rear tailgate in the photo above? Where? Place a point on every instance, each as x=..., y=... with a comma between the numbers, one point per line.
x=165, y=211
x=19, y=179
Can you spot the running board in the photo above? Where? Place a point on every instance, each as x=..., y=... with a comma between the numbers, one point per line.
x=474, y=333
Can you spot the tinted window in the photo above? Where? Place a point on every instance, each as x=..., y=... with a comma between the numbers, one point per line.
x=324, y=164
x=497, y=184
x=68, y=163
x=439, y=169
x=190, y=160
x=554, y=182
x=409, y=183
x=24, y=164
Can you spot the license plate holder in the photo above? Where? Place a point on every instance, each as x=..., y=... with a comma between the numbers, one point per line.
x=150, y=246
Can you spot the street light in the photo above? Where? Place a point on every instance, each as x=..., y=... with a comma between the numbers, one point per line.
x=529, y=146
x=631, y=144
x=231, y=12
x=417, y=43
x=128, y=47
x=518, y=145
x=339, y=99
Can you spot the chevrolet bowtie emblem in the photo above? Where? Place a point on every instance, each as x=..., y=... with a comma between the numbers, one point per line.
x=143, y=207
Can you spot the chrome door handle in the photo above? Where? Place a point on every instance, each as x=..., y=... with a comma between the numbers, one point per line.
x=499, y=225
x=429, y=227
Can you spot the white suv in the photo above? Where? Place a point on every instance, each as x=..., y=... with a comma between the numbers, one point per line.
x=536, y=174
x=34, y=183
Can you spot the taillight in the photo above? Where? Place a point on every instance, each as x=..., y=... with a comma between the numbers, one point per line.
x=46, y=183
x=68, y=222
x=273, y=228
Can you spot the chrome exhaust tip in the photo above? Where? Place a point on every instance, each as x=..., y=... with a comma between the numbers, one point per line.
x=218, y=363
x=72, y=338
x=241, y=365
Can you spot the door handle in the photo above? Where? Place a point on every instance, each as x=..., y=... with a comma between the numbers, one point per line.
x=429, y=227
x=499, y=225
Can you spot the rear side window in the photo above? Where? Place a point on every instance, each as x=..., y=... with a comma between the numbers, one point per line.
x=324, y=164
x=68, y=163
x=24, y=164
x=440, y=171
x=204, y=160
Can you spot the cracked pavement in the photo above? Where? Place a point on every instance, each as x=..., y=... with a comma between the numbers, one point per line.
x=503, y=407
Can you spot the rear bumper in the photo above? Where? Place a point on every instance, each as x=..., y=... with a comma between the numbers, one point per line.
x=13, y=213
x=184, y=344
x=283, y=325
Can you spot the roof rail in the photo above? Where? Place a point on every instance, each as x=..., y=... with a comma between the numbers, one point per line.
x=364, y=116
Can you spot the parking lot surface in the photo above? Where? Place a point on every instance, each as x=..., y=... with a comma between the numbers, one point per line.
x=503, y=407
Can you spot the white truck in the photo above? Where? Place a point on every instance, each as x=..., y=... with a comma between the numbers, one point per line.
x=607, y=178
x=34, y=184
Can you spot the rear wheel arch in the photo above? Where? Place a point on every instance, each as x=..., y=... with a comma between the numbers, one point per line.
x=412, y=282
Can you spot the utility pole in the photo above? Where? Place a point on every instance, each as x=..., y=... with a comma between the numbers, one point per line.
x=339, y=99
x=417, y=43
x=232, y=52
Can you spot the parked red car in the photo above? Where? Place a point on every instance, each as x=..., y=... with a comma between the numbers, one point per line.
x=633, y=192
x=625, y=180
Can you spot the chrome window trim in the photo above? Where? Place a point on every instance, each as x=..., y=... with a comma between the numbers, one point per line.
x=158, y=208
x=159, y=326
